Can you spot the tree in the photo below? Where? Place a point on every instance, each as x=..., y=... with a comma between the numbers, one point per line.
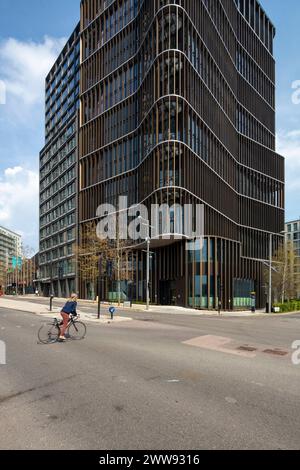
x=28, y=267
x=21, y=273
x=112, y=254
x=284, y=280
x=3, y=274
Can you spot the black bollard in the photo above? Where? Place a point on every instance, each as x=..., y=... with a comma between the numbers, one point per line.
x=51, y=302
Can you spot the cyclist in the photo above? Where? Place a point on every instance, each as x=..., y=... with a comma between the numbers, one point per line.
x=68, y=309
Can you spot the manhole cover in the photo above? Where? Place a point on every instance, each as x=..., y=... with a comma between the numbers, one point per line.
x=276, y=352
x=247, y=348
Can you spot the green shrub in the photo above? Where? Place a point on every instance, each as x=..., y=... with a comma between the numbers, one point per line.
x=292, y=306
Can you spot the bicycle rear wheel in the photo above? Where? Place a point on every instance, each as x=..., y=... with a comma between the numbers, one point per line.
x=76, y=330
x=48, y=333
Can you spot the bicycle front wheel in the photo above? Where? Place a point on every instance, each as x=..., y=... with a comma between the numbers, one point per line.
x=48, y=333
x=77, y=330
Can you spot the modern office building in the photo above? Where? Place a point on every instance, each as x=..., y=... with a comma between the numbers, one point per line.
x=178, y=106
x=10, y=251
x=292, y=230
x=59, y=174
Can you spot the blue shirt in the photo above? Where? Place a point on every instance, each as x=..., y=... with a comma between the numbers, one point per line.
x=70, y=307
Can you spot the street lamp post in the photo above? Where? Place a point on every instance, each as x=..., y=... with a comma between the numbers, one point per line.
x=270, y=272
x=51, y=278
x=99, y=286
x=9, y=255
x=148, y=273
x=284, y=273
x=17, y=272
x=148, y=240
x=51, y=291
x=272, y=269
x=23, y=275
x=285, y=266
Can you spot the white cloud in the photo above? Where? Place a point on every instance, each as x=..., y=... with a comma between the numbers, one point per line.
x=24, y=66
x=19, y=200
x=10, y=172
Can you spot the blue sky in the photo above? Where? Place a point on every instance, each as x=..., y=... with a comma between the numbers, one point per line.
x=33, y=19
x=32, y=32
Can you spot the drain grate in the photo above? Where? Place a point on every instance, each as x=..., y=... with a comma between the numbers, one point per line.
x=247, y=348
x=275, y=352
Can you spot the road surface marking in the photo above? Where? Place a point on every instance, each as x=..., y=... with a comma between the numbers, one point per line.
x=219, y=344
x=258, y=384
x=231, y=400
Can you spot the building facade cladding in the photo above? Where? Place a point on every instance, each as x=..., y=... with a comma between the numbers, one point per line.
x=177, y=106
x=292, y=233
x=10, y=247
x=59, y=174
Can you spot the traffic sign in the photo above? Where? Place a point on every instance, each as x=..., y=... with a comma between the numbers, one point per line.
x=112, y=311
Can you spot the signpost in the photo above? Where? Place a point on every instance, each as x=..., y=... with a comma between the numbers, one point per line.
x=17, y=266
x=112, y=311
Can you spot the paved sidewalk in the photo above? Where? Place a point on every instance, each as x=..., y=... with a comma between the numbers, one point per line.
x=189, y=311
x=43, y=310
x=141, y=308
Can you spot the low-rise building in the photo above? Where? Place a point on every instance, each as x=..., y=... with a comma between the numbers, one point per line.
x=292, y=230
x=10, y=250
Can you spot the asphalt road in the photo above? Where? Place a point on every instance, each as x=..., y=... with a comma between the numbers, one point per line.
x=135, y=385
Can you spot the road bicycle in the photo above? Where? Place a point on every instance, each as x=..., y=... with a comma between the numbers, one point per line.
x=49, y=333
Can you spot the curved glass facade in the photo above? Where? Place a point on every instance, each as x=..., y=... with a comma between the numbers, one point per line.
x=177, y=106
